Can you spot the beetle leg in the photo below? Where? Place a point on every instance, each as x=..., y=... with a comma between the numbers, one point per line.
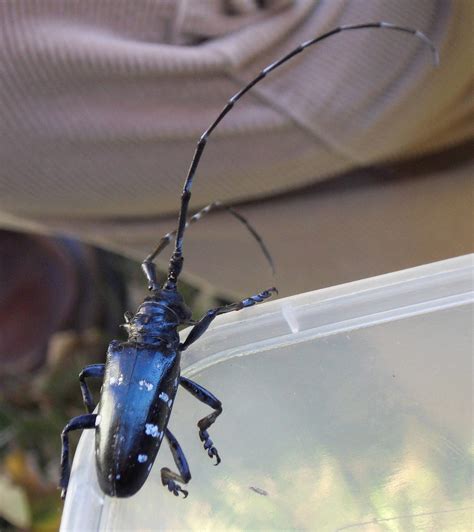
x=209, y=399
x=96, y=371
x=86, y=421
x=168, y=477
x=202, y=325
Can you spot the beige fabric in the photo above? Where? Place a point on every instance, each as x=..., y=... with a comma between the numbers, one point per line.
x=101, y=103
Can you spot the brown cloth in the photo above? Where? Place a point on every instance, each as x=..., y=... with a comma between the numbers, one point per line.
x=102, y=102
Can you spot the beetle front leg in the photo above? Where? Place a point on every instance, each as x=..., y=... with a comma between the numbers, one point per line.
x=87, y=421
x=209, y=399
x=203, y=324
x=168, y=477
x=96, y=371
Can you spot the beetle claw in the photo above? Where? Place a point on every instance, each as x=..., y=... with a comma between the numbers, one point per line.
x=212, y=452
x=176, y=489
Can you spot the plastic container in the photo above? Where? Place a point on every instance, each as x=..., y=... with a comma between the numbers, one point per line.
x=349, y=407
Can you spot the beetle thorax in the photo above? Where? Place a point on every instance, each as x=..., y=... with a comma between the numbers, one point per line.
x=158, y=318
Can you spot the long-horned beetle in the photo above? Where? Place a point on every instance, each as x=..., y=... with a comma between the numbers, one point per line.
x=141, y=375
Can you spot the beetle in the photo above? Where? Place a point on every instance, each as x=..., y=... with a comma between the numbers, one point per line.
x=141, y=375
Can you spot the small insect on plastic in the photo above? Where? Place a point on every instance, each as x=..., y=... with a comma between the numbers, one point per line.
x=141, y=375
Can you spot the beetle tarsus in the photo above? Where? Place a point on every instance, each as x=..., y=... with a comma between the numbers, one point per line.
x=168, y=477
x=212, y=452
x=176, y=489
x=209, y=446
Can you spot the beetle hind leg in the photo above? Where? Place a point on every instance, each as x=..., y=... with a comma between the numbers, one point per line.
x=86, y=421
x=168, y=477
x=209, y=399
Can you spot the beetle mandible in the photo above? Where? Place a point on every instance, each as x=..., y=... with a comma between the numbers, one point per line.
x=141, y=375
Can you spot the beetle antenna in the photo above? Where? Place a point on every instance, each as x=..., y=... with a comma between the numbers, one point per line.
x=254, y=233
x=149, y=267
x=176, y=261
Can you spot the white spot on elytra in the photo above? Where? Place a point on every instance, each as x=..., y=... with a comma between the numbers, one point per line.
x=151, y=430
x=164, y=397
x=142, y=458
x=117, y=477
x=97, y=420
x=170, y=402
x=146, y=384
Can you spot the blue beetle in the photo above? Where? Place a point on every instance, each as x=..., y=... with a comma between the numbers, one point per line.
x=140, y=380
x=141, y=375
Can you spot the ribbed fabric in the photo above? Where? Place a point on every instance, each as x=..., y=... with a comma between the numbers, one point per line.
x=102, y=102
